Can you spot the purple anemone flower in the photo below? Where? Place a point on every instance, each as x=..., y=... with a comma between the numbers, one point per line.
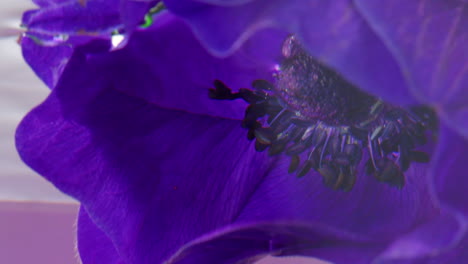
x=224, y=131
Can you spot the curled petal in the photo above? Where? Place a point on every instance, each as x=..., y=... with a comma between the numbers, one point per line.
x=85, y=17
x=432, y=240
x=93, y=17
x=457, y=254
x=252, y=242
x=47, y=62
x=53, y=30
x=166, y=65
x=46, y=3
x=333, y=31
x=449, y=171
x=428, y=40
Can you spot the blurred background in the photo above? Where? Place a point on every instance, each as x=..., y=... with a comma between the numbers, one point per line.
x=37, y=222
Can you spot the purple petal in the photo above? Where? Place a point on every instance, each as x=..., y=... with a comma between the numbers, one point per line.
x=72, y=17
x=239, y=243
x=59, y=26
x=49, y=59
x=94, y=246
x=450, y=172
x=457, y=254
x=132, y=12
x=167, y=66
x=249, y=243
x=444, y=235
x=432, y=239
x=154, y=180
x=428, y=40
x=46, y=3
x=47, y=62
x=86, y=17
x=333, y=31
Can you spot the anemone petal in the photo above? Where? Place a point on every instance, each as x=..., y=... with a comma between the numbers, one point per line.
x=47, y=62
x=428, y=40
x=333, y=31
x=57, y=27
x=155, y=179
x=92, y=17
x=163, y=172
x=449, y=171
x=166, y=65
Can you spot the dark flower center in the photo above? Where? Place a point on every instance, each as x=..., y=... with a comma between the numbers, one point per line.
x=324, y=123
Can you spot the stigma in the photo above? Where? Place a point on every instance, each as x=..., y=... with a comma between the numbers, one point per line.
x=325, y=124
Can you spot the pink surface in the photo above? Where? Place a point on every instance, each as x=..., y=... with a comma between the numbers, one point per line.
x=37, y=233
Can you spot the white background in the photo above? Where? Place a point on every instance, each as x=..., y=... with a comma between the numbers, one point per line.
x=20, y=90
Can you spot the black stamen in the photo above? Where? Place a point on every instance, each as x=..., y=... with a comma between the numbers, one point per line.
x=310, y=111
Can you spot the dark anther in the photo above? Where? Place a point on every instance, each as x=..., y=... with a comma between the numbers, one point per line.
x=264, y=135
x=334, y=144
x=276, y=148
x=354, y=152
x=259, y=146
x=377, y=108
x=314, y=157
x=405, y=162
x=419, y=156
x=337, y=177
x=252, y=127
x=394, y=114
x=387, y=171
x=327, y=125
x=221, y=92
x=306, y=167
x=426, y=115
x=359, y=133
x=342, y=159
x=295, y=160
x=297, y=148
x=262, y=85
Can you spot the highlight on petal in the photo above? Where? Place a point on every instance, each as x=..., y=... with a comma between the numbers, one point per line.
x=86, y=17
x=333, y=31
x=49, y=59
x=89, y=17
x=53, y=30
x=166, y=65
x=437, y=237
x=47, y=62
x=46, y=3
x=428, y=40
x=457, y=254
